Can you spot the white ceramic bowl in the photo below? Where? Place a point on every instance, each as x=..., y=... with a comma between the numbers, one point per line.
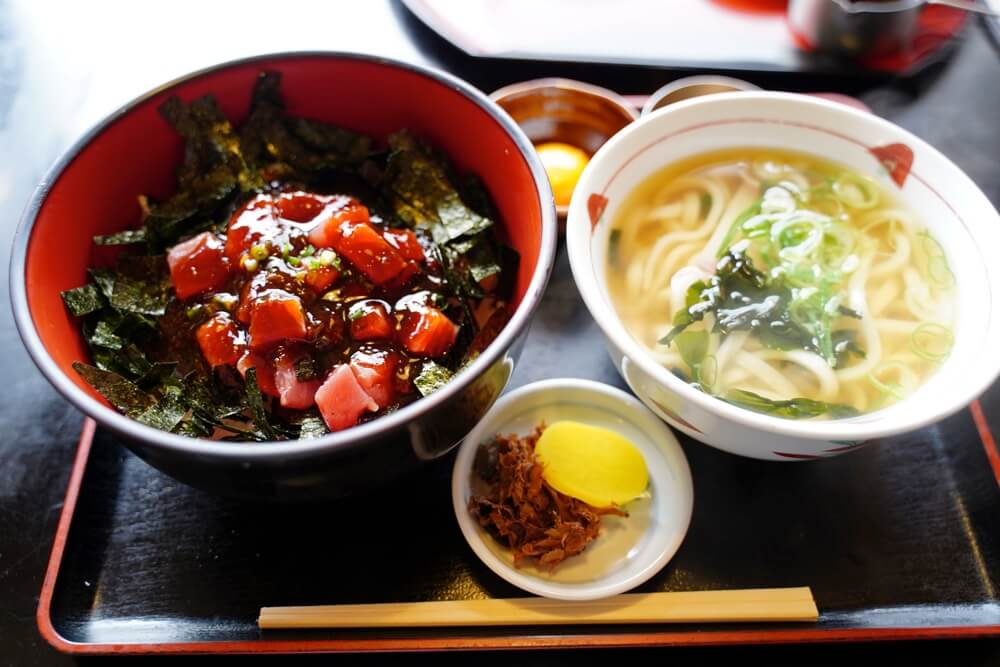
x=693, y=86
x=956, y=212
x=629, y=550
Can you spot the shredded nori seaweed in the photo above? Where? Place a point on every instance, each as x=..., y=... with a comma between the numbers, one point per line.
x=127, y=307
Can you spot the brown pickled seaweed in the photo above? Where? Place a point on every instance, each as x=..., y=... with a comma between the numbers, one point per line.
x=523, y=511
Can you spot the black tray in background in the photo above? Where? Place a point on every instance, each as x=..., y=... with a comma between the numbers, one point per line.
x=718, y=35
x=898, y=539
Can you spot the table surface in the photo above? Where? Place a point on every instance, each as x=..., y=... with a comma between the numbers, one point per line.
x=61, y=71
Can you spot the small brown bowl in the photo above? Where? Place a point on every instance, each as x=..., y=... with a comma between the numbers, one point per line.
x=567, y=111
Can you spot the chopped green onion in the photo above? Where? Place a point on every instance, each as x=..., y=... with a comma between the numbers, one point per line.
x=932, y=341
x=940, y=273
x=823, y=201
x=930, y=245
x=329, y=257
x=777, y=200
x=797, y=237
x=856, y=191
x=294, y=261
x=767, y=170
x=839, y=242
x=225, y=301
x=937, y=263
x=737, y=226
x=286, y=250
x=309, y=251
x=259, y=252
x=891, y=233
x=195, y=311
x=356, y=312
x=893, y=389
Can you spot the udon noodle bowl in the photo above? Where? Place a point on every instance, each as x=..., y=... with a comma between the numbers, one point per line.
x=782, y=282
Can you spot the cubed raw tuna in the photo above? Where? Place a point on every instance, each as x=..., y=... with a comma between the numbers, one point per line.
x=375, y=372
x=293, y=392
x=198, y=265
x=221, y=340
x=276, y=316
x=342, y=400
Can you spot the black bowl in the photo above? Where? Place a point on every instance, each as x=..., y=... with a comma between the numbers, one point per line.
x=92, y=188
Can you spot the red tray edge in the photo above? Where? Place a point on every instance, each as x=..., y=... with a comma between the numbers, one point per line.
x=548, y=641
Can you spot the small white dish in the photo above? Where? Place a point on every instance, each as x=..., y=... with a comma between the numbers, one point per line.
x=629, y=550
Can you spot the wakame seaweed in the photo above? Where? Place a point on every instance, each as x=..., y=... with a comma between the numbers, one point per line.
x=742, y=298
x=135, y=325
x=795, y=408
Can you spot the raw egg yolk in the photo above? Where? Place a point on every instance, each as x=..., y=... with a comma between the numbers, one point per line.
x=564, y=164
x=590, y=463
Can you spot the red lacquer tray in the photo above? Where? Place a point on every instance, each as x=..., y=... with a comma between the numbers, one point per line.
x=898, y=540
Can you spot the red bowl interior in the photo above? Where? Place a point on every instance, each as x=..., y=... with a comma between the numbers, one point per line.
x=138, y=152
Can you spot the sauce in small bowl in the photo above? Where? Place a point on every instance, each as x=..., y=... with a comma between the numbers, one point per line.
x=566, y=115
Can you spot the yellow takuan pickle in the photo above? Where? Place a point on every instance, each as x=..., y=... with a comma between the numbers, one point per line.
x=590, y=463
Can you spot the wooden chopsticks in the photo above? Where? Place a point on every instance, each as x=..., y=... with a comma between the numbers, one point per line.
x=734, y=606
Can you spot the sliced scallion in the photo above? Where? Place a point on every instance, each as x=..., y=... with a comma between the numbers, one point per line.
x=938, y=270
x=932, y=341
x=738, y=226
x=856, y=191
x=894, y=389
x=931, y=245
x=940, y=273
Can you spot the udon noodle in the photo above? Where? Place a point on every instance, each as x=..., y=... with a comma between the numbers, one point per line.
x=781, y=282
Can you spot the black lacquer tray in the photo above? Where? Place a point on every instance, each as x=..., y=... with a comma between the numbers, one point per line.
x=897, y=540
